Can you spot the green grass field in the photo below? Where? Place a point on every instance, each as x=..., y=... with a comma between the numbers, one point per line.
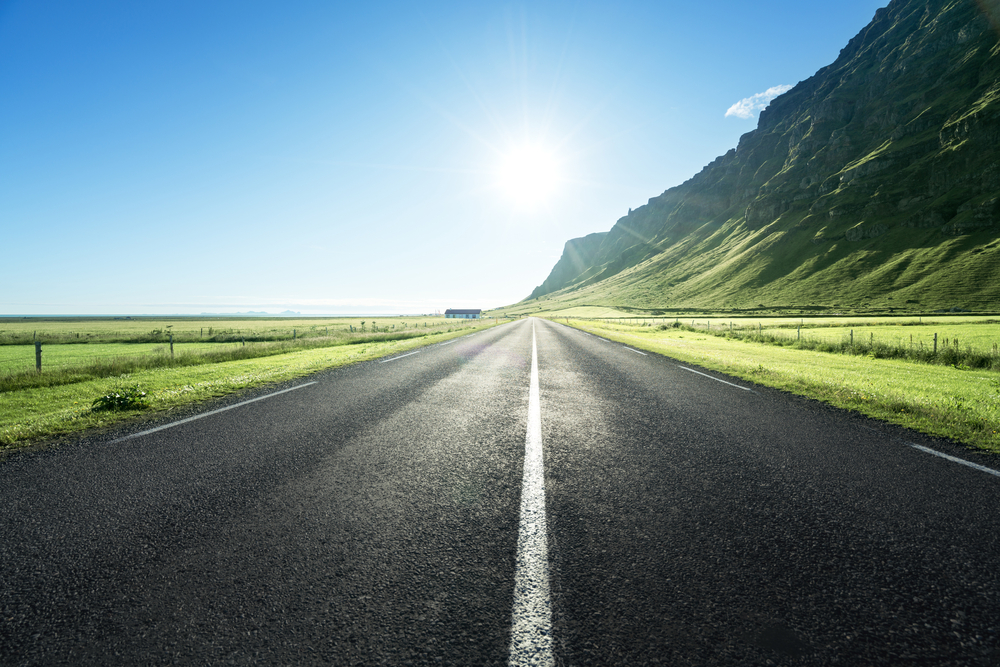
x=14, y=358
x=201, y=329
x=79, y=349
x=982, y=337
x=945, y=401
x=59, y=401
x=978, y=334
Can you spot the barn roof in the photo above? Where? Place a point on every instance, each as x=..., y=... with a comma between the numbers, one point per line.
x=459, y=311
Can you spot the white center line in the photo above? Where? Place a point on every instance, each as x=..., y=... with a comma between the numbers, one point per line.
x=385, y=361
x=690, y=370
x=531, y=626
x=211, y=412
x=636, y=351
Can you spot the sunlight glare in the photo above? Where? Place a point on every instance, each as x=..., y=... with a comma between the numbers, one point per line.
x=528, y=175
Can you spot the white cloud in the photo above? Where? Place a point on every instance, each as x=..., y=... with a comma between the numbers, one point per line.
x=748, y=106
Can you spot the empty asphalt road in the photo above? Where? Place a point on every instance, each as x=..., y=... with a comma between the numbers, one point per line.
x=529, y=494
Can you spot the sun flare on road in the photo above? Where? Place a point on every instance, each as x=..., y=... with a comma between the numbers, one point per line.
x=528, y=175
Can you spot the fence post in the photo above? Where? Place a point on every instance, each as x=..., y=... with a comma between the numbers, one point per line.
x=38, y=356
x=799, y=336
x=171, y=345
x=293, y=334
x=852, y=340
x=935, y=344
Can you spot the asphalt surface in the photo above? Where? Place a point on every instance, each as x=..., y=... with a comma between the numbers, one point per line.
x=372, y=517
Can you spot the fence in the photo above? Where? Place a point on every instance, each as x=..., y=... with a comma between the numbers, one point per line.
x=929, y=347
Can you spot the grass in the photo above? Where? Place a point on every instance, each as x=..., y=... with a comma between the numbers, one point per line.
x=32, y=414
x=68, y=362
x=967, y=343
x=730, y=268
x=15, y=358
x=963, y=405
x=65, y=330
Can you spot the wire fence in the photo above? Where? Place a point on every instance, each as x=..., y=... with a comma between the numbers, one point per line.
x=926, y=347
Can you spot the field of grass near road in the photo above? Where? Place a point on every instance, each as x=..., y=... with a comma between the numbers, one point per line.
x=963, y=405
x=981, y=337
x=961, y=341
x=60, y=330
x=33, y=414
x=96, y=348
x=14, y=358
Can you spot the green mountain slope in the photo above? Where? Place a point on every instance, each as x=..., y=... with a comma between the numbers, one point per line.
x=874, y=183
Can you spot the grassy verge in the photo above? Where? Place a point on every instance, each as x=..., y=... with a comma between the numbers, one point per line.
x=109, y=360
x=928, y=349
x=72, y=330
x=34, y=414
x=963, y=405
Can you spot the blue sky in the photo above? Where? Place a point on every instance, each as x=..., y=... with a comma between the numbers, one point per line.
x=327, y=157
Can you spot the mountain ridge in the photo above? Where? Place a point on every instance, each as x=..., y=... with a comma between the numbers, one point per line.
x=876, y=180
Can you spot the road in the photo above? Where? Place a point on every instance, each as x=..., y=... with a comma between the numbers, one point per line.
x=649, y=512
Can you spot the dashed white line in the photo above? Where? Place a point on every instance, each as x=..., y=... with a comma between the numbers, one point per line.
x=934, y=452
x=531, y=626
x=955, y=459
x=691, y=370
x=443, y=344
x=210, y=413
x=385, y=361
x=636, y=351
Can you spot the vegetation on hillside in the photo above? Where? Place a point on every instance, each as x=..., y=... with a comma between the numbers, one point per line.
x=872, y=186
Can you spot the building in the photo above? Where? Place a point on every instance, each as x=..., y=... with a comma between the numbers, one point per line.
x=464, y=314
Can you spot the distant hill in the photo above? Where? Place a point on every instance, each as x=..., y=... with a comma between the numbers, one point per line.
x=873, y=184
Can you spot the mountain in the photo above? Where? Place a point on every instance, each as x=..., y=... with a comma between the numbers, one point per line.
x=873, y=184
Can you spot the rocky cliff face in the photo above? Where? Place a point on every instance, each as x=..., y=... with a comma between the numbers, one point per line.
x=900, y=133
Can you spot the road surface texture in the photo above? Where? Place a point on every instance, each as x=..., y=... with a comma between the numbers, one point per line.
x=381, y=514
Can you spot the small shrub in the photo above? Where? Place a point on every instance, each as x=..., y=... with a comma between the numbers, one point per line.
x=121, y=398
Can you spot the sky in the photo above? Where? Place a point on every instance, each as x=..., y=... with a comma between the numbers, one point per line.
x=228, y=156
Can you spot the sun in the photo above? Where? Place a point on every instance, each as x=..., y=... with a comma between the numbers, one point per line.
x=528, y=175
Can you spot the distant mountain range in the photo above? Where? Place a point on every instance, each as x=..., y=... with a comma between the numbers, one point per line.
x=874, y=184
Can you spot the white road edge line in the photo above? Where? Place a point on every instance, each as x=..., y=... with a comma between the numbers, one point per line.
x=955, y=459
x=928, y=450
x=636, y=351
x=210, y=413
x=442, y=344
x=531, y=625
x=385, y=361
x=691, y=370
